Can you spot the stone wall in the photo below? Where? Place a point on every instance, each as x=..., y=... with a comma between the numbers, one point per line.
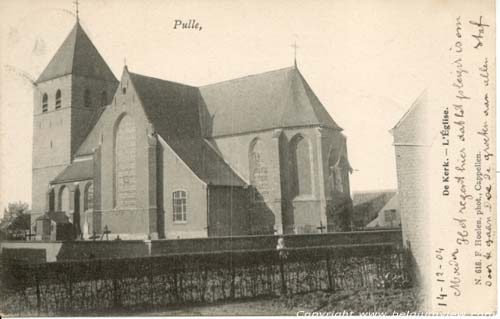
x=280, y=209
x=99, y=249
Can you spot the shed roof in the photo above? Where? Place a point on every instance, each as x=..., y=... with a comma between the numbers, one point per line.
x=76, y=171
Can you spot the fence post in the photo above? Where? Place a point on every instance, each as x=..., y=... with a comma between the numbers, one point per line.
x=328, y=271
x=233, y=275
x=283, y=279
x=151, y=284
x=38, y=298
x=70, y=289
x=116, y=299
x=176, y=289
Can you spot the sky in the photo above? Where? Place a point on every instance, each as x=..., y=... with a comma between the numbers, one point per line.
x=367, y=61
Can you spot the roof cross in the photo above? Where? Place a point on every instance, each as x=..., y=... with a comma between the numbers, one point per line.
x=295, y=46
x=76, y=6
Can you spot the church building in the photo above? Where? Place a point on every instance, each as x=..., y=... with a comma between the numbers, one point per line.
x=142, y=157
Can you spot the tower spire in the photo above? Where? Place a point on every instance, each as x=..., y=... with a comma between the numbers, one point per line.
x=76, y=11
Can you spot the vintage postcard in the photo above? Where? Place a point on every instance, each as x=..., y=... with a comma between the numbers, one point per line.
x=200, y=158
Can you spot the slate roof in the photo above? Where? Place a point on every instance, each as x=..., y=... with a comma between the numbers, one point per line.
x=392, y=204
x=366, y=205
x=275, y=99
x=363, y=197
x=76, y=171
x=185, y=116
x=172, y=108
x=77, y=55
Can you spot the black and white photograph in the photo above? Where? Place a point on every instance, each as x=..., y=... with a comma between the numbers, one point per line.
x=247, y=158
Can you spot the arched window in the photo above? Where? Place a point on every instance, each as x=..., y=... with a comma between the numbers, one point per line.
x=45, y=103
x=300, y=166
x=258, y=170
x=76, y=212
x=63, y=199
x=179, y=205
x=125, y=163
x=88, y=197
x=52, y=199
x=104, y=98
x=58, y=99
x=86, y=98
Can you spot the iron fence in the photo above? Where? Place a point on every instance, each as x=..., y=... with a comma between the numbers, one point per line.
x=107, y=285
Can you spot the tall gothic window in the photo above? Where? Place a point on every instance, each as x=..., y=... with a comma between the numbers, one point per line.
x=125, y=163
x=45, y=103
x=258, y=170
x=86, y=98
x=63, y=199
x=58, y=99
x=88, y=197
x=179, y=205
x=52, y=199
x=300, y=166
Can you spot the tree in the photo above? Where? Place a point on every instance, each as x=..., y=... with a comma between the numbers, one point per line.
x=14, y=210
x=16, y=220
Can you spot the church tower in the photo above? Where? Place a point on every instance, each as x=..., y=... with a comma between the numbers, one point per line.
x=70, y=95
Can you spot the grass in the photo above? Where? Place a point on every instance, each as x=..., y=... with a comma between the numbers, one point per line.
x=355, y=302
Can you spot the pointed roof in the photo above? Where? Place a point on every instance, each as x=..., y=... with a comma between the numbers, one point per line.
x=172, y=108
x=275, y=99
x=77, y=55
x=186, y=117
x=415, y=126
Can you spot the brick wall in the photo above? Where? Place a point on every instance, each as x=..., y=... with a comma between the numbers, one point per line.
x=229, y=214
x=57, y=133
x=175, y=175
x=130, y=222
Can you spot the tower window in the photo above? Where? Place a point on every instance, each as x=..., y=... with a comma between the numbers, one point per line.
x=124, y=90
x=104, y=98
x=45, y=103
x=86, y=98
x=58, y=99
x=179, y=199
